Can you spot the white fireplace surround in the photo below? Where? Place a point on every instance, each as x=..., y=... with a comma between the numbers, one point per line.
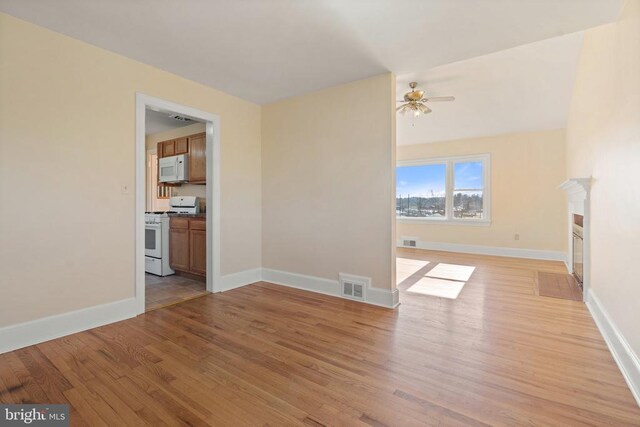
x=578, y=196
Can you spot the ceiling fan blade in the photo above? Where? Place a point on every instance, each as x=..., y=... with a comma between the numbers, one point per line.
x=424, y=109
x=439, y=99
x=403, y=107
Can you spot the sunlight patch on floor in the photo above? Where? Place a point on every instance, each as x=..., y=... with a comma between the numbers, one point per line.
x=451, y=272
x=437, y=287
x=407, y=267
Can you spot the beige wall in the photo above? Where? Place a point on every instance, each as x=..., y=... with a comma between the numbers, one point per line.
x=67, y=123
x=152, y=140
x=526, y=169
x=603, y=141
x=328, y=182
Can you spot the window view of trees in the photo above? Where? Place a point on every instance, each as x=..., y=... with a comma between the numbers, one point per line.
x=422, y=191
x=410, y=206
x=467, y=205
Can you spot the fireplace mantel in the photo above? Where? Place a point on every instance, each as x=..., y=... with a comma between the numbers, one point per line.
x=577, y=186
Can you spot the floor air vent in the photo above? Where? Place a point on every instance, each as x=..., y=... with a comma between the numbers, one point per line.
x=409, y=243
x=354, y=287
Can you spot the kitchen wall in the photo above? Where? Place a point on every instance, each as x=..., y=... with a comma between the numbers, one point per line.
x=67, y=149
x=328, y=182
x=603, y=141
x=526, y=169
x=152, y=140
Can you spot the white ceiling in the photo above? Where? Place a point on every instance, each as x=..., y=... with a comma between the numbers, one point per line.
x=157, y=121
x=265, y=50
x=521, y=89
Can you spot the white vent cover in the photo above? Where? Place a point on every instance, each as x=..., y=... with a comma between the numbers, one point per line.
x=354, y=287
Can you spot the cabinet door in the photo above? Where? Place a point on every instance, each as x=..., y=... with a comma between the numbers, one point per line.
x=181, y=145
x=179, y=249
x=197, y=158
x=160, y=149
x=168, y=148
x=198, y=251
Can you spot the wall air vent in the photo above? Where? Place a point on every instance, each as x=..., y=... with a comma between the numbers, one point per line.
x=409, y=241
x=354, y=287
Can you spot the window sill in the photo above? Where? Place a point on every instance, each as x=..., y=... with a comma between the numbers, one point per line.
x=436, y=221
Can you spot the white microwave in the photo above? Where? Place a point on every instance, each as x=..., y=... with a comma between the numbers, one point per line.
x=173, y=168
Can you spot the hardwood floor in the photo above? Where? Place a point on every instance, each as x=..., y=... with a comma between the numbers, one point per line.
x=495, y=354
x=169, y=290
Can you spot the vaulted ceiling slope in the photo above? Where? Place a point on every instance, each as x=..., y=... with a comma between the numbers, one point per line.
x=522, y=89
x=266, y=50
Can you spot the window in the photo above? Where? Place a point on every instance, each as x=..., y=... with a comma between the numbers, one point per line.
x=452, y=189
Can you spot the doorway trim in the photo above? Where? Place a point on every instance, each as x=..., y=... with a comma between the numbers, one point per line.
x=213, y=189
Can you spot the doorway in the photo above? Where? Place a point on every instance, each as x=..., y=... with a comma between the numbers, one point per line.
x=152, y=196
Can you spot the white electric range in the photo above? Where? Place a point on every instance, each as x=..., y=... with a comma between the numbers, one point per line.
x=156, y=243
x=156, y=234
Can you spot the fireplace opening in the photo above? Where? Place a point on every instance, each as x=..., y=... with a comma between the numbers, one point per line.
x=578, y=248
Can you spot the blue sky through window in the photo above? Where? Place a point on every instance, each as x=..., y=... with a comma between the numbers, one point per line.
x=468, y=175
x=423, y=180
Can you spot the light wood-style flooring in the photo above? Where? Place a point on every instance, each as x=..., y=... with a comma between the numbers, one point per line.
x=489, y=352
x=169, y=290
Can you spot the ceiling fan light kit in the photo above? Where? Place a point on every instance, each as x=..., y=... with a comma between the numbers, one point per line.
x=415, y=101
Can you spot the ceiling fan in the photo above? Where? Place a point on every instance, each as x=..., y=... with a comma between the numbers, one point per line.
x=415, y=101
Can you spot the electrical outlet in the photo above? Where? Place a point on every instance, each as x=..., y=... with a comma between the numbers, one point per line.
x=516, y=236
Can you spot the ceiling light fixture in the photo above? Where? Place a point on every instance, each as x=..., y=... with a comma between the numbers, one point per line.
x=415, y=101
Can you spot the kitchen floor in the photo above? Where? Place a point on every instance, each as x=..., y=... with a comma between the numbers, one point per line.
x=169, y=290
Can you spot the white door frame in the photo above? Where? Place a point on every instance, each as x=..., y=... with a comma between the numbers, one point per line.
x=213, y=189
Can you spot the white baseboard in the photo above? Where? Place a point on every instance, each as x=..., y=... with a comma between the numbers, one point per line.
x=40, y=330
x=37, y=331
x=242, y=278
x=489, y=250
x=569, y=266
x=623, y=354
x=375, y=296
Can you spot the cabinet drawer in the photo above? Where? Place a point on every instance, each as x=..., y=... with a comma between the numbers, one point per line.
x=198, y=224
x=179, y=223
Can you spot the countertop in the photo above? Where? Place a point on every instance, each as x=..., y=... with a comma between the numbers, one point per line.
x=198, y=215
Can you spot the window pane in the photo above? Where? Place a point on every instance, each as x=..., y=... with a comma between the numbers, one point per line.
x=468, y=175
x=420, y=191
x=468, y=204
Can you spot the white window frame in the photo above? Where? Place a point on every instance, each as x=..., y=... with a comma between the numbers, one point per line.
x=449, y=189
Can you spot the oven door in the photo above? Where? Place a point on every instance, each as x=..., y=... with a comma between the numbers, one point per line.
x=153, y=240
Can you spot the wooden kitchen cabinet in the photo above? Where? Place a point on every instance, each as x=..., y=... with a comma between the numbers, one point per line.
x=188, y=245
x=181, y=145
x=179, y=249
x=198, y=159
x=195, y=147
x=167, y=148
x=198, y=251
